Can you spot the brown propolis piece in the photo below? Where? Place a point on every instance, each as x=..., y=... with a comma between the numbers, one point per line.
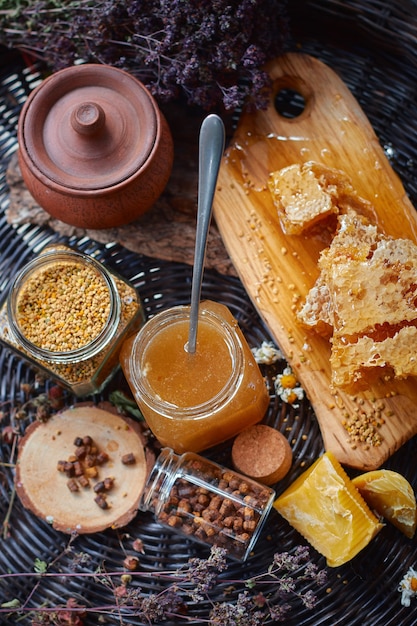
x=263, y=453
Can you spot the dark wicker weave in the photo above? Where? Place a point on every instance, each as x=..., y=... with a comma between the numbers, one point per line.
x=372, y=45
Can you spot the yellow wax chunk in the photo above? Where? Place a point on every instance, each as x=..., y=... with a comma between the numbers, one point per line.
x=324, y=506
x=391, y=496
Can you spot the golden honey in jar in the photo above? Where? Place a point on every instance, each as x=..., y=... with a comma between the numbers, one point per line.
x=194, y=401
x=67, y=315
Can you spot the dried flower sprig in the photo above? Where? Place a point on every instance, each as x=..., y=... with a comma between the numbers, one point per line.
x=408, y=586
x=288, y=388
x=266, y=596
x=213, y=52
x=267, y=353
x=286, y=384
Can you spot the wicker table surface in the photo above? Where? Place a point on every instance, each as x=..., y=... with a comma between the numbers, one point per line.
x=372, y=46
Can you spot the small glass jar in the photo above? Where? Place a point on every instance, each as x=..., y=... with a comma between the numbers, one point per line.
x=192, y=402
x=207, y=502
x=67, y=315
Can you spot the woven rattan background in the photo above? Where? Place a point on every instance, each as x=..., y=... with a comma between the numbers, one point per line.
x=373, y=47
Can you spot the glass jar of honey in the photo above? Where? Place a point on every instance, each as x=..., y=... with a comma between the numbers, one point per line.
x=194, y=401
x=67, y=315
x=207, y=502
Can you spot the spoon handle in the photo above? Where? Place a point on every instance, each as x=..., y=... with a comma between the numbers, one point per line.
x=211, y=148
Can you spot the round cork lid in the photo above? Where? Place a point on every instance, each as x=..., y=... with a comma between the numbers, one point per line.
x=88, y=126
x=44, y=490
x=262, y=453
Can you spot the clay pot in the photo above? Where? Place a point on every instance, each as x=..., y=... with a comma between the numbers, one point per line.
x=95, y=151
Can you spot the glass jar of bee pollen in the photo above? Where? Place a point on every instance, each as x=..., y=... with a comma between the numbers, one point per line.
x=67, y=315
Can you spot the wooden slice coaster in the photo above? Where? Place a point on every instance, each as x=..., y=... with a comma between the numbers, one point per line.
x=44, y=489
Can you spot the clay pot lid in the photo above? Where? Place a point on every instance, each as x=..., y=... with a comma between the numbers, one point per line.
x=89, y=126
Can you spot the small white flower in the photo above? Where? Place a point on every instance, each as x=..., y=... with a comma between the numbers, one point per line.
x=267, y=353
x=408, y=587
x=287, y=395
x=287, y=388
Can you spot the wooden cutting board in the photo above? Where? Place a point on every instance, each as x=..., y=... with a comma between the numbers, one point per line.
x=278, y=270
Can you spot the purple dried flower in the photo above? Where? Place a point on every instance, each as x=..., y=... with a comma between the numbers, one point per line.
x=308, y=599
x=286, y=585
x=279, y=612
x=241, y=612
x=312, y=571
x=191, y=47
x=203, y=573
x=152, y=608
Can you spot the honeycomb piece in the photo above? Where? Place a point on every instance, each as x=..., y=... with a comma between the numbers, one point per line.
x=317, y=312
x=352, y=243
x=366, y=299
x=375, y=292
x=306, y=194
x=299, y=198
x=356, y=365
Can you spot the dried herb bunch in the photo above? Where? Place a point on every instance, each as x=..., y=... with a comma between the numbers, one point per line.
x=272, y=595
x=211, y=52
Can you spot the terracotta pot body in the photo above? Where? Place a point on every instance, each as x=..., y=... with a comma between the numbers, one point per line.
x=95, y=151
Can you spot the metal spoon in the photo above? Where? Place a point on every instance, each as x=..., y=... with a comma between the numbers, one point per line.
x=211, y=146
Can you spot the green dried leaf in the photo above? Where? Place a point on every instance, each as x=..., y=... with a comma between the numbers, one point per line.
x=39, y=566
x=11, y=604
x=125, y=404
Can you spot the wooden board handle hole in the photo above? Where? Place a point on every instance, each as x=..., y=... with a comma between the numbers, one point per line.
x=289, y=103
